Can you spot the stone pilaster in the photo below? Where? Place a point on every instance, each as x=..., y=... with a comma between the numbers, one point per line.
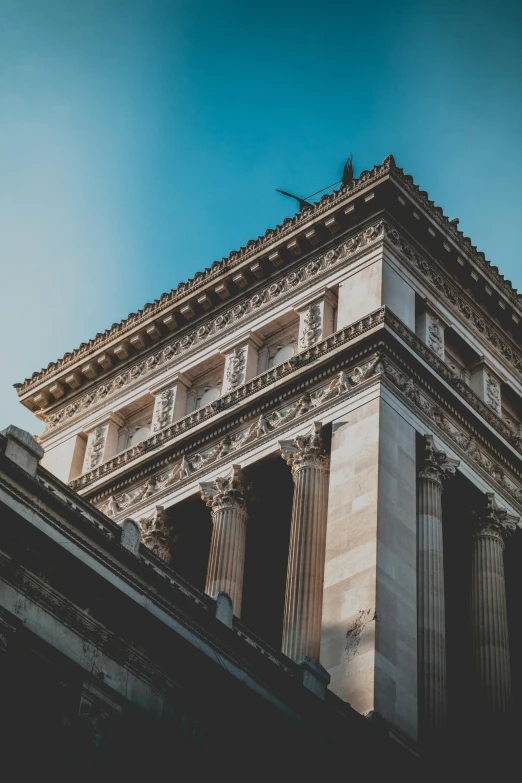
x=227, y=498
x=304, y=583
x=102, y=440
x=241, y=362
x=170, y=401
x=430, y=328
x=489, y=627
x=316, y=318
x=434, y=469
x=485, y=383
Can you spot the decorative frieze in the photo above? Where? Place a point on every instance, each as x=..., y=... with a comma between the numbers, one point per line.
x=334, y=341
x=300, y=276
x=477, y=454
x=229, y=319
x=456, y=299
x=265, y=425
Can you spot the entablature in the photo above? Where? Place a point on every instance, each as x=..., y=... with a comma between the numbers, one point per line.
x=285, y=292
x=375, y=349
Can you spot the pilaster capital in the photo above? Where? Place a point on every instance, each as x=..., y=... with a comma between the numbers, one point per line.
x=306, y=451
x=155, y=533
x=493, y=521
x=226, y=492
x=436, y=465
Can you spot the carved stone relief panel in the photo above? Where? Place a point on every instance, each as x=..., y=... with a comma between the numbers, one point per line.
x=264, y=425
x=298, y=279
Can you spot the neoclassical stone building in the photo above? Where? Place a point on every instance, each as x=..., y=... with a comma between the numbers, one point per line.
x=327, y=427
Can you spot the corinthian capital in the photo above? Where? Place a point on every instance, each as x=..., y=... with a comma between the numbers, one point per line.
x=226, y=492
x=306, y=451
x=436, y=465
x=493, y=521
x=155, y=533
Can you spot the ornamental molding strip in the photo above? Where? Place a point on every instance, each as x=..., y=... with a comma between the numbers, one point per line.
x=231, y=399
x=476, y=451
x=254, y=247
x=509, y=353
x=266, y=242
x=300, y=277
x=332, y=343
x=212, y=329
x=344, y=384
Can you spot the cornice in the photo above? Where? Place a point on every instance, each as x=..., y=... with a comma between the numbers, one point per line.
x=211, y=330
x=268, y=241
x=210, y=274
x=448, y=227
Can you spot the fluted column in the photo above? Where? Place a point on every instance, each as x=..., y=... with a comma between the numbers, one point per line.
x=304, y=582
x=489, y=625
x=434, y=469
x=227, y=499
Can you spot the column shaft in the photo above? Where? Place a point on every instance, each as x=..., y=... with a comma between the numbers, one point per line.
x=489, y=623
x=431, y=609
x=227, y=555
x=227, y=498
x=435, y=468
x=306, y=557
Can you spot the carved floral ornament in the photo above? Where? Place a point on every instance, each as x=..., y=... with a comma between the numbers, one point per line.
x=306, y=451
x=228, y=492
x=156, y=533
x=236, y=367
x=299, y=277
x=192, y=340
x=493, y=521
x=338, y=383
x=435, y=465
x=265, y=425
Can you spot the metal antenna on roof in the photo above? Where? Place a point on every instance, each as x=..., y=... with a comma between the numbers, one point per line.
x=301, y=201
x=346, y=179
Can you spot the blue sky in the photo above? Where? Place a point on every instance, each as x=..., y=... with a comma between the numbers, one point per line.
x=142, y=139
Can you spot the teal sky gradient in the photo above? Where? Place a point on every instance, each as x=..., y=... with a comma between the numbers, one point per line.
x=142, y=139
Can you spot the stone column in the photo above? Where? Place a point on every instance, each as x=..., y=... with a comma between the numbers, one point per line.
x=489, y=628
x=304, y=582
x=434, y=469
x=227, y=499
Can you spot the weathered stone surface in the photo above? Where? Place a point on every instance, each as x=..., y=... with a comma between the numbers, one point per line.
x=369, y=625
x=22, y=449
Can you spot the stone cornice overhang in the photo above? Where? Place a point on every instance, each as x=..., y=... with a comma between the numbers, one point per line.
x=336, y=212
x=380, y=333
x=236, y=650
x=279, y=240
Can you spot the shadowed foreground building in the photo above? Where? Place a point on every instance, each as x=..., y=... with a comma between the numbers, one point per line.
x=312, y=447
